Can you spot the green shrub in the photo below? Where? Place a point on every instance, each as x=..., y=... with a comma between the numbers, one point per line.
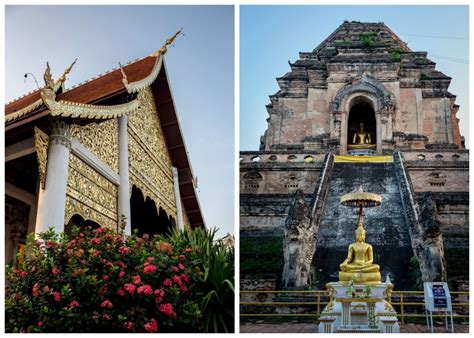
x=367, y=40
x=215, y=284
x=395, y=54
x=102, y=281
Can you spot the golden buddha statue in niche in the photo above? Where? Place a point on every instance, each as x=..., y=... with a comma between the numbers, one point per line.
x=361, y=139
x=358, y=265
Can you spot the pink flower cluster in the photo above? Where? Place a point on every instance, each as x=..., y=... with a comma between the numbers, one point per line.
x=130, y=288
x=124, y=250
x=96, y=240
x=149, y=268
x=167, y=309
x=145, y=289
x=72, y=305
x=152, y=326
x=36, y=290
x=107, y=304
x=159, y=295
x=136, y=280
x=57, y=296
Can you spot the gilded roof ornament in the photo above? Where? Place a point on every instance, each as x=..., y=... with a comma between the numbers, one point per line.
x=62, y=78
x=71, y=109
x=136, y=86
x=164, y=48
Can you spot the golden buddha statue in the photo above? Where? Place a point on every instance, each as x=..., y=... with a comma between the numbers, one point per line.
x=361, y=139
x=358, y=265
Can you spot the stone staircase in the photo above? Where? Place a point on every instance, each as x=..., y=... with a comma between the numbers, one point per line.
x=386, y=225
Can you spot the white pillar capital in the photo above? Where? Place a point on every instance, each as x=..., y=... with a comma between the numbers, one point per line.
x=60, y=134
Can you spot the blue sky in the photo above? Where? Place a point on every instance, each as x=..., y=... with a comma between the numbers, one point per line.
x=272, y=35
x=200, y=69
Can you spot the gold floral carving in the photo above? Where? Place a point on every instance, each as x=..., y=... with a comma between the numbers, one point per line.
x=150, y=163
x=41, y=147
x=145, y=126
x=90, y=195
x=151, y=181
x=102, y=139
x=89, y=111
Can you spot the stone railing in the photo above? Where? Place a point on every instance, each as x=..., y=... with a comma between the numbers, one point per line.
x=426, y=238
x=301, y=229
x=407, y=193
x=317, y=203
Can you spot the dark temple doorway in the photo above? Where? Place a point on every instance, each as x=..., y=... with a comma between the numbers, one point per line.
x=146, y=218
x=361, y=112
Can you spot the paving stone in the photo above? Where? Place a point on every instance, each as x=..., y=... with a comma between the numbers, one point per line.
x=312, y=328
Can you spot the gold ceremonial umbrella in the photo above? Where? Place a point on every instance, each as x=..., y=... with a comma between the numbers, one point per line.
x=361, y=199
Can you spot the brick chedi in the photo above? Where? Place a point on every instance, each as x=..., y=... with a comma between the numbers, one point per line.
x=294, y=232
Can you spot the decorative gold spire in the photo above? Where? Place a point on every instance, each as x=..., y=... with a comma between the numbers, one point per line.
x=62, y=78
x=163, y=49
x=48, y=78
x=136, y=86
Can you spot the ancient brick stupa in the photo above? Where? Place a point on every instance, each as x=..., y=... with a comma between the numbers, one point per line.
x=361, y=108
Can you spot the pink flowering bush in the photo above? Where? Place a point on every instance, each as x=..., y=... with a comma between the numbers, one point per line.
x=101, y=281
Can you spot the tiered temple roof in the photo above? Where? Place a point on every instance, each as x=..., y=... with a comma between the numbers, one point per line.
x=363, y=43
x=95, y=95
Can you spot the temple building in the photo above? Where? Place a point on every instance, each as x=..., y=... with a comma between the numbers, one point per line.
x=106, y=151
x=360, y=110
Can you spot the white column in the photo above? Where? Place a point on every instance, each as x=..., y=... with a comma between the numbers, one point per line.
x=177, y=197
x=52, y=200
x=123, y=197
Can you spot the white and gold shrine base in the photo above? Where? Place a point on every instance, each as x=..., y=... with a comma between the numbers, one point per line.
x=351, y=314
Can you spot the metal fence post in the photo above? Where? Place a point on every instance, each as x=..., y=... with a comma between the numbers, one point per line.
x=319, y=301
x=401, y=308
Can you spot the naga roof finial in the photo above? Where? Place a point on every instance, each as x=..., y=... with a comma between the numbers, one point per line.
x=163, y=49
x=48, y=78
x=62, y=78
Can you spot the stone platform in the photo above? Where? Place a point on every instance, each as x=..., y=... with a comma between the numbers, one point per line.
x=357, y=312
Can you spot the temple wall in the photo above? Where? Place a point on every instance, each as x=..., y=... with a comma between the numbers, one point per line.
x=277, y=181
x=89, y=194
x=318, y=111
x=150, y=164
x=437, y=116
x=408, y=118
x=439, y=179
x=294, y=120
x=101, y=139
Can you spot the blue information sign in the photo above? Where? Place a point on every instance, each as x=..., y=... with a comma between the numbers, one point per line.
x=439, y=297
